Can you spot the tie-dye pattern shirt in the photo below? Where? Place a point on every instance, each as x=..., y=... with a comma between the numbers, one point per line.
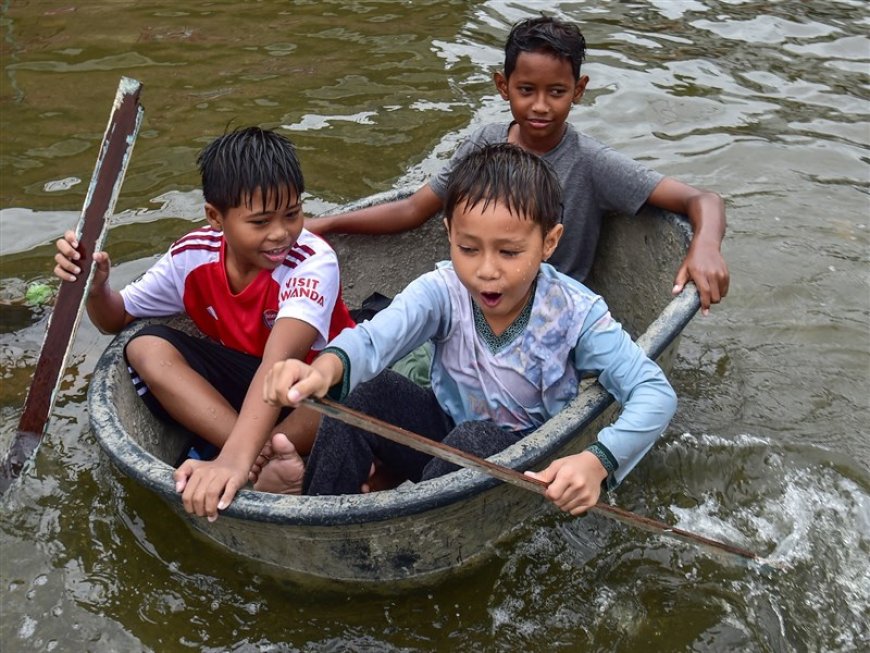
x=528, y=374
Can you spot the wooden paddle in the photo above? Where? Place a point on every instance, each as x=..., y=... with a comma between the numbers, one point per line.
x=124, y=121
x=386, y=430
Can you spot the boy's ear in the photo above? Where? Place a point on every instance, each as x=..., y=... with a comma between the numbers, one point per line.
x=501, y=84
x=215, y=218
x=580, y=88
x=551, y=240
x=447, y=227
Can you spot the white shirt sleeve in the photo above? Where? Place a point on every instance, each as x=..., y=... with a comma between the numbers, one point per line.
x=310, y=292
x=157, y=293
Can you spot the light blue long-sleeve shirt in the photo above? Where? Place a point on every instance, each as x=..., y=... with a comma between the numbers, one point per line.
x=526, y=375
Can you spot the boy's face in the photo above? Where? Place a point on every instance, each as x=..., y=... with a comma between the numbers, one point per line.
x=258, y=234
x=541, y=91
x=496, y=255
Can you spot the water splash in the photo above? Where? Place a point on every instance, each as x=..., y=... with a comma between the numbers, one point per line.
x=618, y=585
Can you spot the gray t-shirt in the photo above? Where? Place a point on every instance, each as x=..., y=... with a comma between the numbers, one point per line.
x=595, y=178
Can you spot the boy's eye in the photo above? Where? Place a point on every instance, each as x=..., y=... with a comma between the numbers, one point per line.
x=465, y=249
x=509, y=253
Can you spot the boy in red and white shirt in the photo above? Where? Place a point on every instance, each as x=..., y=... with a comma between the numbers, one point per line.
x=258, y=285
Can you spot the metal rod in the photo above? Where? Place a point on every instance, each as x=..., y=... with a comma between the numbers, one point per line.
x=450, y=454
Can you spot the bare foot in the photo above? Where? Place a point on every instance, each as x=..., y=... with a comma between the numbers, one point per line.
x=262, y=458
x=283, y=472
x=365, y=488
x=379, y=479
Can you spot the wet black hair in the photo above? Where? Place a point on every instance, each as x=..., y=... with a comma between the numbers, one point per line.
x=545, y=34
x=235, y=165
x=504, y=173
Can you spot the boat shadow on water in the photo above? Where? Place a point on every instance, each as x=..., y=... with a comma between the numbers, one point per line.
x=412, y=535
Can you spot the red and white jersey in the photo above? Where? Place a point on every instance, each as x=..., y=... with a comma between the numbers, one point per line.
x=191, y=278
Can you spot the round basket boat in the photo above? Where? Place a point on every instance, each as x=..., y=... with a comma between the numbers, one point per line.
x=419, y=532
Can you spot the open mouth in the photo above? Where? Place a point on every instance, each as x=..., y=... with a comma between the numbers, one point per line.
x=276, y=255
x=490, y=298
x=538, y=123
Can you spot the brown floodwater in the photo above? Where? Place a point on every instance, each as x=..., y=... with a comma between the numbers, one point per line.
x=766, y=103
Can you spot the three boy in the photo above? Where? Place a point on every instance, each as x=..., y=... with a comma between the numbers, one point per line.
x=256, y=230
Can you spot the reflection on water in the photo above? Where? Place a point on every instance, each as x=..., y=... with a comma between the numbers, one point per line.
x=766, y=103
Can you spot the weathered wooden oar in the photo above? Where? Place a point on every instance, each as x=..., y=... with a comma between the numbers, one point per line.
x=450, y=454
x=124, y=122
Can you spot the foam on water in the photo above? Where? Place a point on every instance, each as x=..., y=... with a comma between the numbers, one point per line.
x=806, y=518
x=814, y=522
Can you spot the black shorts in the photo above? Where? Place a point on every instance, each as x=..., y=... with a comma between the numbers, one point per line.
x=228, y=371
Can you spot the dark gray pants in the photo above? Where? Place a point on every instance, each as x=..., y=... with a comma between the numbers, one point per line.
x=342, y=455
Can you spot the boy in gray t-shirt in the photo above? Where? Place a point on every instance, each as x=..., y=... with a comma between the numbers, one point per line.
x=542, y=81
x=595, y=179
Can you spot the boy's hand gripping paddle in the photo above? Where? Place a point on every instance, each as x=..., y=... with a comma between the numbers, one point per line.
x=450, y=454
x=114, y=155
